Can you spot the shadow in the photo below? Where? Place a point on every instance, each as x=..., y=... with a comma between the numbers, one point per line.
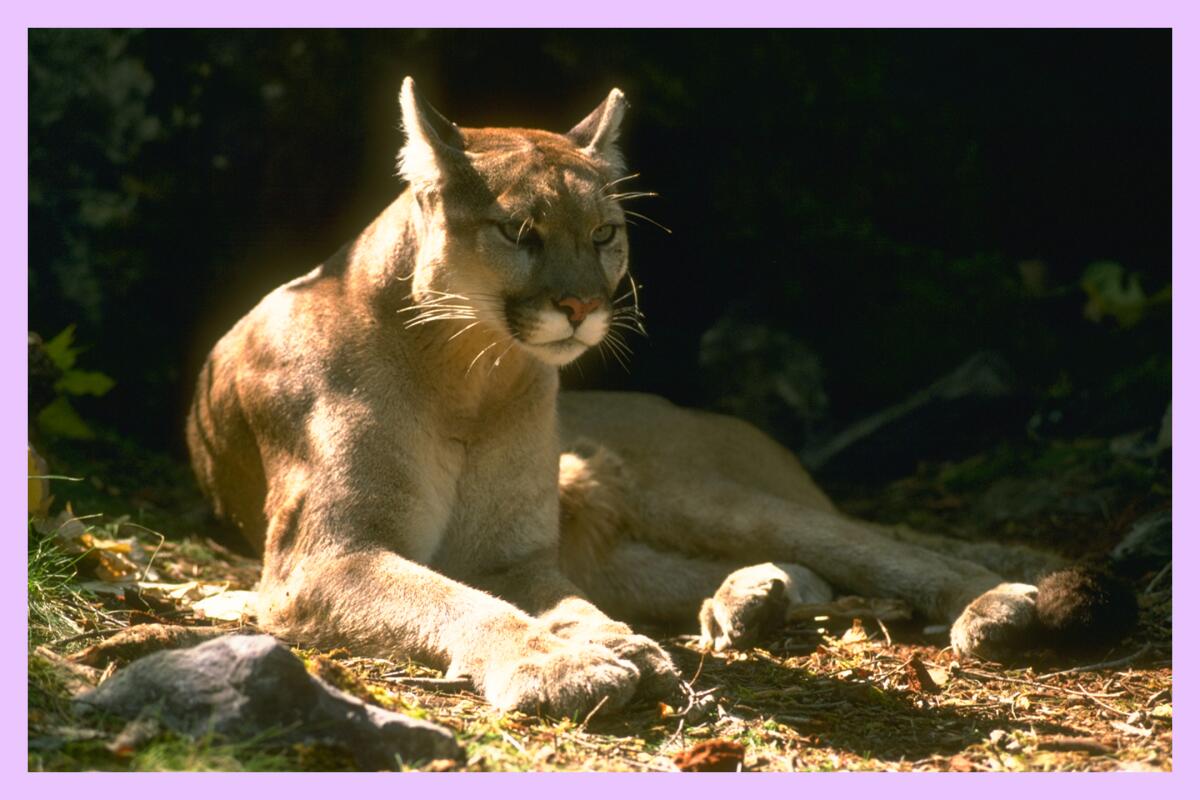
x=828, y=698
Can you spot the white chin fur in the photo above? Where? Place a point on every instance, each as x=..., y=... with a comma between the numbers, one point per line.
x=555, y=341
x=552, y=326
x=557, y=353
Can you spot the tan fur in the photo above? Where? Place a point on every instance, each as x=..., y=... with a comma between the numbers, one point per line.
x=387, y=430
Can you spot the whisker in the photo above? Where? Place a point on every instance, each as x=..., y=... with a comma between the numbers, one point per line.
x=446, y=310
x=611, y=184
x=655, y=223
x=496, y=363
x=437, y=312
x=434, y=306
x=445, y=294
x=464, y=330
x=600, y=350
x=629, y=195
x=619, y=344
x=441, y=310
x=617, y=356
x=622, y=355
x=630, y=328
x=629, y=312
x=633, y=287
x=479, y=356
x=426, y=320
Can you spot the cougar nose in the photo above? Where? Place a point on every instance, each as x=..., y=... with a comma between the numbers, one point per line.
x=576, y=309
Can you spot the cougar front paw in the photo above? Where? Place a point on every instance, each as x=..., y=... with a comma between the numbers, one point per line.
x=998, y=623
x=659, y=680
x=749, y=603
x=561, y=678
x=576, y=621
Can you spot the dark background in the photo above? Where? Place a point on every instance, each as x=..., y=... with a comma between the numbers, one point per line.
x=853, y=213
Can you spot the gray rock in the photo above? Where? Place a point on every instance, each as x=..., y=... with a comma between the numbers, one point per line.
x=1147, y=546
x=242, y=685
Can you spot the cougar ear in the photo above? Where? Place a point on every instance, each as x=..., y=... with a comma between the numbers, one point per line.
x=432, y=142
x=596, y=135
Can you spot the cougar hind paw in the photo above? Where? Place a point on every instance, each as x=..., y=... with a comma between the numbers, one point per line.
x=754, y=600
x=998, y=624
x=1075, y=610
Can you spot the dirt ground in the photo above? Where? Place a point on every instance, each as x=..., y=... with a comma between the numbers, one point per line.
x=824, y=694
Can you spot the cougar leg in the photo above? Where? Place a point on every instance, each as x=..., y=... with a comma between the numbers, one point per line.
x=1015, y=562
x=738, y=524
x=637, y=582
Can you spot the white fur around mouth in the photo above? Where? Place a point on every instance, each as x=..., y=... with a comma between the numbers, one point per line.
x=560, y=352
x=552, y=328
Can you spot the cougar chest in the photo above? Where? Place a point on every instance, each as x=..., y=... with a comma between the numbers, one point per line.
x=504, y=496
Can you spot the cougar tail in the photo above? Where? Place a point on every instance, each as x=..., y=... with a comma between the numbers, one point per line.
x=1084, y=609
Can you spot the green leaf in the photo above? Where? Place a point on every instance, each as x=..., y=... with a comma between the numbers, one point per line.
x=1113, y=293
x=59, y=348
x=81, y=382
x=60, y=419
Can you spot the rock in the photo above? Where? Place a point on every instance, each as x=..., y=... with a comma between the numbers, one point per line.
x=242, y=685
x=955, y=416
x=1147, y=546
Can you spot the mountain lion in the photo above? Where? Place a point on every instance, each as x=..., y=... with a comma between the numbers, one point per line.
x=388, y=431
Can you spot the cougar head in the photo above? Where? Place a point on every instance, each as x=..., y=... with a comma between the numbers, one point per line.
x=518, y=230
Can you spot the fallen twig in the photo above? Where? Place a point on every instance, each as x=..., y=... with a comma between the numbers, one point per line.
x=433, y=684
x=592, y=713
x=1119, y=662
x=1161, y=574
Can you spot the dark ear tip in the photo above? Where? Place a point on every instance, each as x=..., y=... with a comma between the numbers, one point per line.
x=1084, y=608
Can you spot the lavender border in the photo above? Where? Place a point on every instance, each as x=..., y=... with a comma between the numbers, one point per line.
x=474, y=13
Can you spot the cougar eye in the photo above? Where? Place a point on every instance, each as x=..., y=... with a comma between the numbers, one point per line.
x=517, y=232
x=604, y=234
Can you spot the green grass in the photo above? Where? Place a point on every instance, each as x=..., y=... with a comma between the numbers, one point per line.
x=56, y=603
x=171, y=752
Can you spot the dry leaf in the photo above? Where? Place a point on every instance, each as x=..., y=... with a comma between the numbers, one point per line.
x=919, y=679
x=711, y=755
x=233, y=606
x=855, y=633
